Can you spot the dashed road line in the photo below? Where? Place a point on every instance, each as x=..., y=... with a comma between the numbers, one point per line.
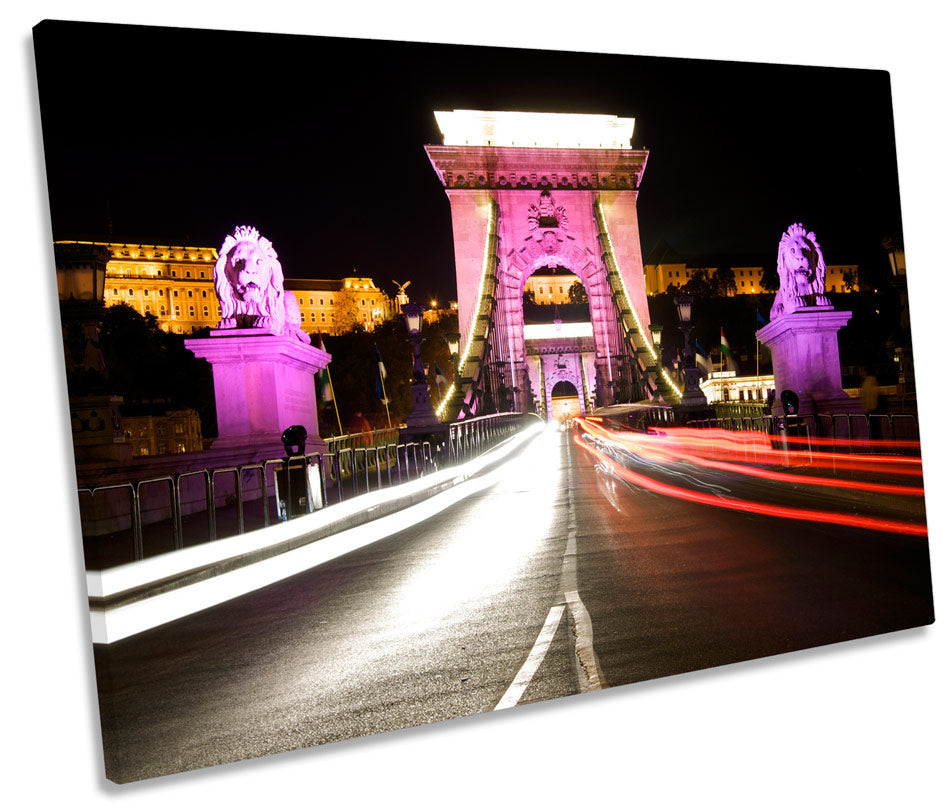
x=589, y=674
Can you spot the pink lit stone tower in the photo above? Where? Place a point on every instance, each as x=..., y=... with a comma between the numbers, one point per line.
x=262, y=362
x=803, y=332
x=548, y=176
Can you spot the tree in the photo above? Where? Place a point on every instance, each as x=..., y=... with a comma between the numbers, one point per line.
x=850, y=279
x=152, y=370
x=723, y=282
x=699, y=285
x=577, y=293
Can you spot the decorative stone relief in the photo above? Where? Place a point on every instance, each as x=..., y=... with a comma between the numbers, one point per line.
x=545, y=214
x=801, y=272
x=249, y=283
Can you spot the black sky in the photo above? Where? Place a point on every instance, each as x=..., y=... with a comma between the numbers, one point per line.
x=177, y=136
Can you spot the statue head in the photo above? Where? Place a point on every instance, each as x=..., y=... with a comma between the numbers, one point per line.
x=801, y=272
x=249, y=282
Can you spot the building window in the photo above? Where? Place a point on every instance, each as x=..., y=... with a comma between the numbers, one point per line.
x=191, y=311
x=204, y=311
x=115, y=291
x=204, y=294
x=301, y=301
x=161, y=293
x=177, y=311
x=313, y=317
x=323, y=317
x=131, y=292
x=145, y=292
x=175, y=293
x=161, y=310
x=188, y=274
x=321, y=303
x=311, y=301
x=191, y=294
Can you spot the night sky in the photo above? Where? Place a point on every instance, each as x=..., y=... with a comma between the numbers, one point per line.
x=173, y=136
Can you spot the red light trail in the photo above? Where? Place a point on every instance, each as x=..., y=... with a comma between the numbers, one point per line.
x=676, y=445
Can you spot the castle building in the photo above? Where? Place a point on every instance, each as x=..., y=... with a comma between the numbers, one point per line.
x=175, y=432
x=664, y=267
x=176, y=285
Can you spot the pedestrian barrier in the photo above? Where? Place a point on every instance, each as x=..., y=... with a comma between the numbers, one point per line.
x=294, y=485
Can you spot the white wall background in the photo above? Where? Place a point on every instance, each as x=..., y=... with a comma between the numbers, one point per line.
x=859, y=725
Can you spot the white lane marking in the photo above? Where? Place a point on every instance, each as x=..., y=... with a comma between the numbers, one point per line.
x=540, y=648
x=589, y=673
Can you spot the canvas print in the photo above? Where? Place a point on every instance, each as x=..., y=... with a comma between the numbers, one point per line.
x=413, y=381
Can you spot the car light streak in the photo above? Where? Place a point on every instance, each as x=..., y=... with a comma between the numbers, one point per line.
x=749, y=506
x=666, y=451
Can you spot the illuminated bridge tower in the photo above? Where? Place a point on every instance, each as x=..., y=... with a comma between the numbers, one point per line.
x=554, y=195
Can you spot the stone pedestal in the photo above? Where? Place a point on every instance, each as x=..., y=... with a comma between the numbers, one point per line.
x=263, y=384
x=805, y=359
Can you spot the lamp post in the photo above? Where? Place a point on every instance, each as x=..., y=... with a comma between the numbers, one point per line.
x=422, y=423
x=693, y=397
x=96, y=422
x=453, y=340
x=421, y=413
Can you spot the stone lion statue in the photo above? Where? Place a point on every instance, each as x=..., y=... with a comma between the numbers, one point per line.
x=801, y=272
x=249, y=283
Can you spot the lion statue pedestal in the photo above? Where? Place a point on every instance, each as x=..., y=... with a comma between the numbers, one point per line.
x=263, y=384
x=805, y=359
x=803, y=332
x=262, y=361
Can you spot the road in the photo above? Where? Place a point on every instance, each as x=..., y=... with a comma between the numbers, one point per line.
x=561, y=578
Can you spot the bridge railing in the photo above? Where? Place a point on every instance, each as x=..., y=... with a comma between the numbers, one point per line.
x=169, y=512
x=856, y=433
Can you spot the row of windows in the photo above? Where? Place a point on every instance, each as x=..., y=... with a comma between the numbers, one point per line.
x=191, y=311
x=161, y=293
x=156, y=272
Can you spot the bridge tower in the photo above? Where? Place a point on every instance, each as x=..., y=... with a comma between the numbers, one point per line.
x=547, y=193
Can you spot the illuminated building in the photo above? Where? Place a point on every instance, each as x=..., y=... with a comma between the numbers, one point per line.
x=334, y=306
x=176, y=285
x=175, y=432
x=664, y=267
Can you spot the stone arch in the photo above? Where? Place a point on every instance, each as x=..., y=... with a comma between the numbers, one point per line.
x=530, y=259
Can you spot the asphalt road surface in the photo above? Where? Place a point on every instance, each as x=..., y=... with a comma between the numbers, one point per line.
x=561, y=578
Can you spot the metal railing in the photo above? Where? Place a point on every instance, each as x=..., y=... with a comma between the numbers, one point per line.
x=300, y=484
x=858, y=431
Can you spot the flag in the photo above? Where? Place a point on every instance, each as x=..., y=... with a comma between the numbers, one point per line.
x=380, y=377
x=760, y=319
x=726, y=352
x=440, y=379
x=702, y=362
x=323, y=383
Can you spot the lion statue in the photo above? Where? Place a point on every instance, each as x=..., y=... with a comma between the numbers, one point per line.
x=249, y=283
x=801, y=272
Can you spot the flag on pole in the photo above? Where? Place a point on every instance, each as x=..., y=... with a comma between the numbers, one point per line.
x=702, y=362
x=725, y=351
x=440, y=379
x=326, y=393
x=380, y=377
x=760, y=319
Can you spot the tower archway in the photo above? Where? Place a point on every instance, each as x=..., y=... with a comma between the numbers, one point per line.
x=536, y=191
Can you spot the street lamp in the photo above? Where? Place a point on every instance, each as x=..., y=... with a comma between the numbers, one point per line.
x=422, y=423
x=693, y=396
x=453, y=340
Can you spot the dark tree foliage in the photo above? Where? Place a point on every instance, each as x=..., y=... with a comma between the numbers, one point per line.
x=577, y=293
x=353, y=372
x=152, y=370
x=723, y=282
